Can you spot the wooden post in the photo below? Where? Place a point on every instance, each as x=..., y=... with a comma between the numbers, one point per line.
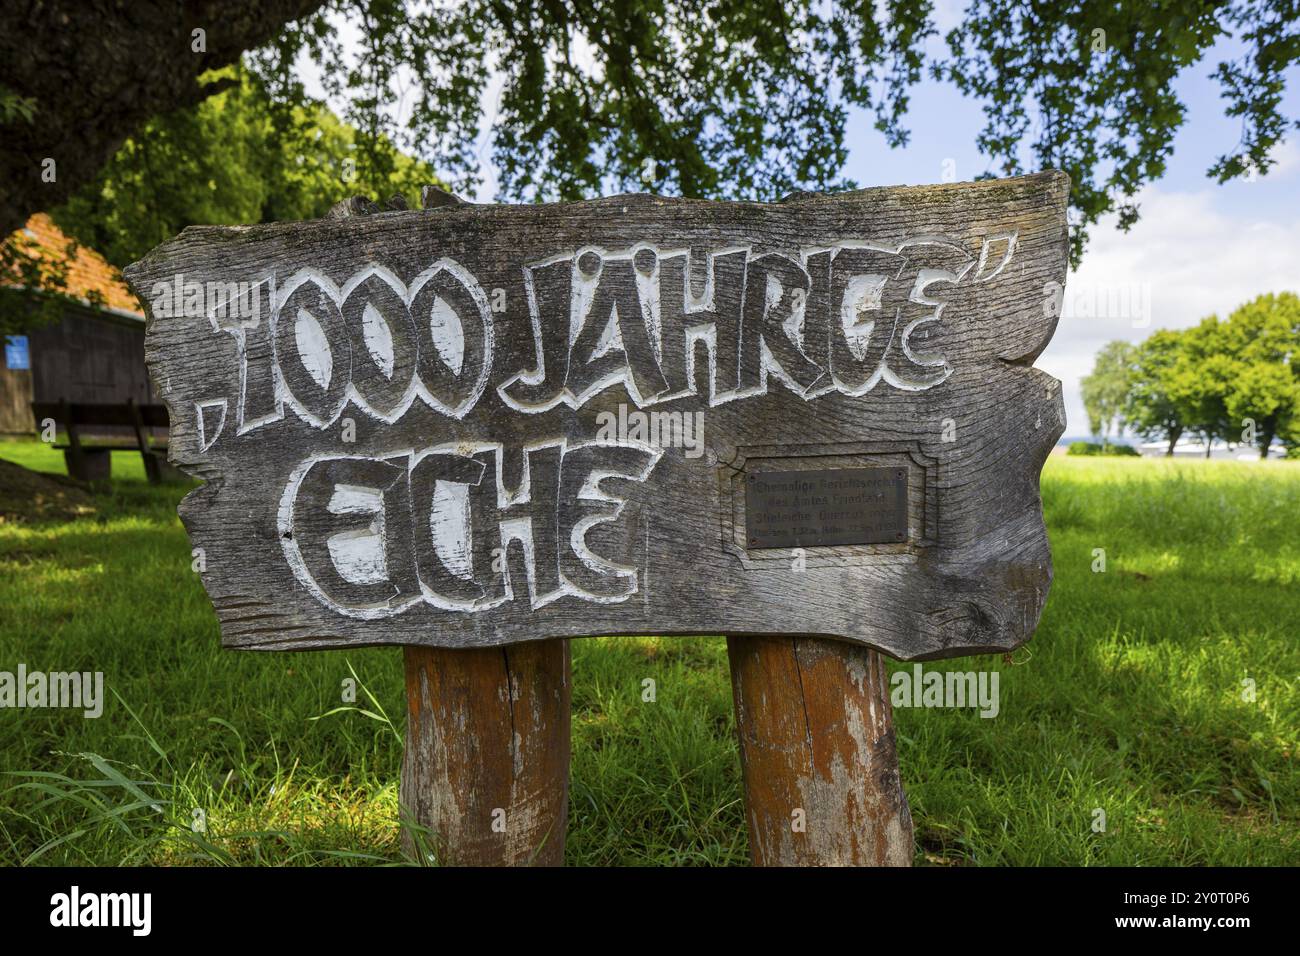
x=485, y=774
x=152, y=464
x=817, y=750
x=76, y=460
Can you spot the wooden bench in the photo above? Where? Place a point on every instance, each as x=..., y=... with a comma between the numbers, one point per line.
x=89, y=457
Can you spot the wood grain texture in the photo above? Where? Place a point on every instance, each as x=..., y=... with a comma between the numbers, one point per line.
x=817, y=749
x=498, y=315
x=485, y=771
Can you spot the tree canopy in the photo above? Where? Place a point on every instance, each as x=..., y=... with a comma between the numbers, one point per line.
x=726, y=98
x=234, y=158
x=230, y=160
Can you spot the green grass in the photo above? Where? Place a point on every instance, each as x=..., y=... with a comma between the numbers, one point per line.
x=1129, y=699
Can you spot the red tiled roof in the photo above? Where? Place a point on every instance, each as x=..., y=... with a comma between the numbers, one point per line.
x=87, y=272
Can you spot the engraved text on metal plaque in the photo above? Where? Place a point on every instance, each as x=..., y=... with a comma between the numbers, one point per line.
x=825, y=507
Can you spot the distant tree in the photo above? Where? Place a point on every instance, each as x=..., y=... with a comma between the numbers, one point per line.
x=1262, y=397
x=1106, y=390
x=1154, y=409
x=1236, y=379
x=1200, y=381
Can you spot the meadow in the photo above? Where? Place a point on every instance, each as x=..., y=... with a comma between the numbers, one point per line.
x=1159, y=695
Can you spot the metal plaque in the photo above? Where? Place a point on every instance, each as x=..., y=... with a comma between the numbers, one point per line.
x=826, y=507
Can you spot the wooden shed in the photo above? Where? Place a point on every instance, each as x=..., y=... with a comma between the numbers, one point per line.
x=94, y=351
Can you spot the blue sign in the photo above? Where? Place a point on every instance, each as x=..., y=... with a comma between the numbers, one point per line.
x=18, y=356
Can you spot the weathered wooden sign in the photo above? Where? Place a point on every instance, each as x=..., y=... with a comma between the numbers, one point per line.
x=480, y=425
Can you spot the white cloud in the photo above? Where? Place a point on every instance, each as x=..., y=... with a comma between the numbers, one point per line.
x=1187, y=257
x=1287, y=156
